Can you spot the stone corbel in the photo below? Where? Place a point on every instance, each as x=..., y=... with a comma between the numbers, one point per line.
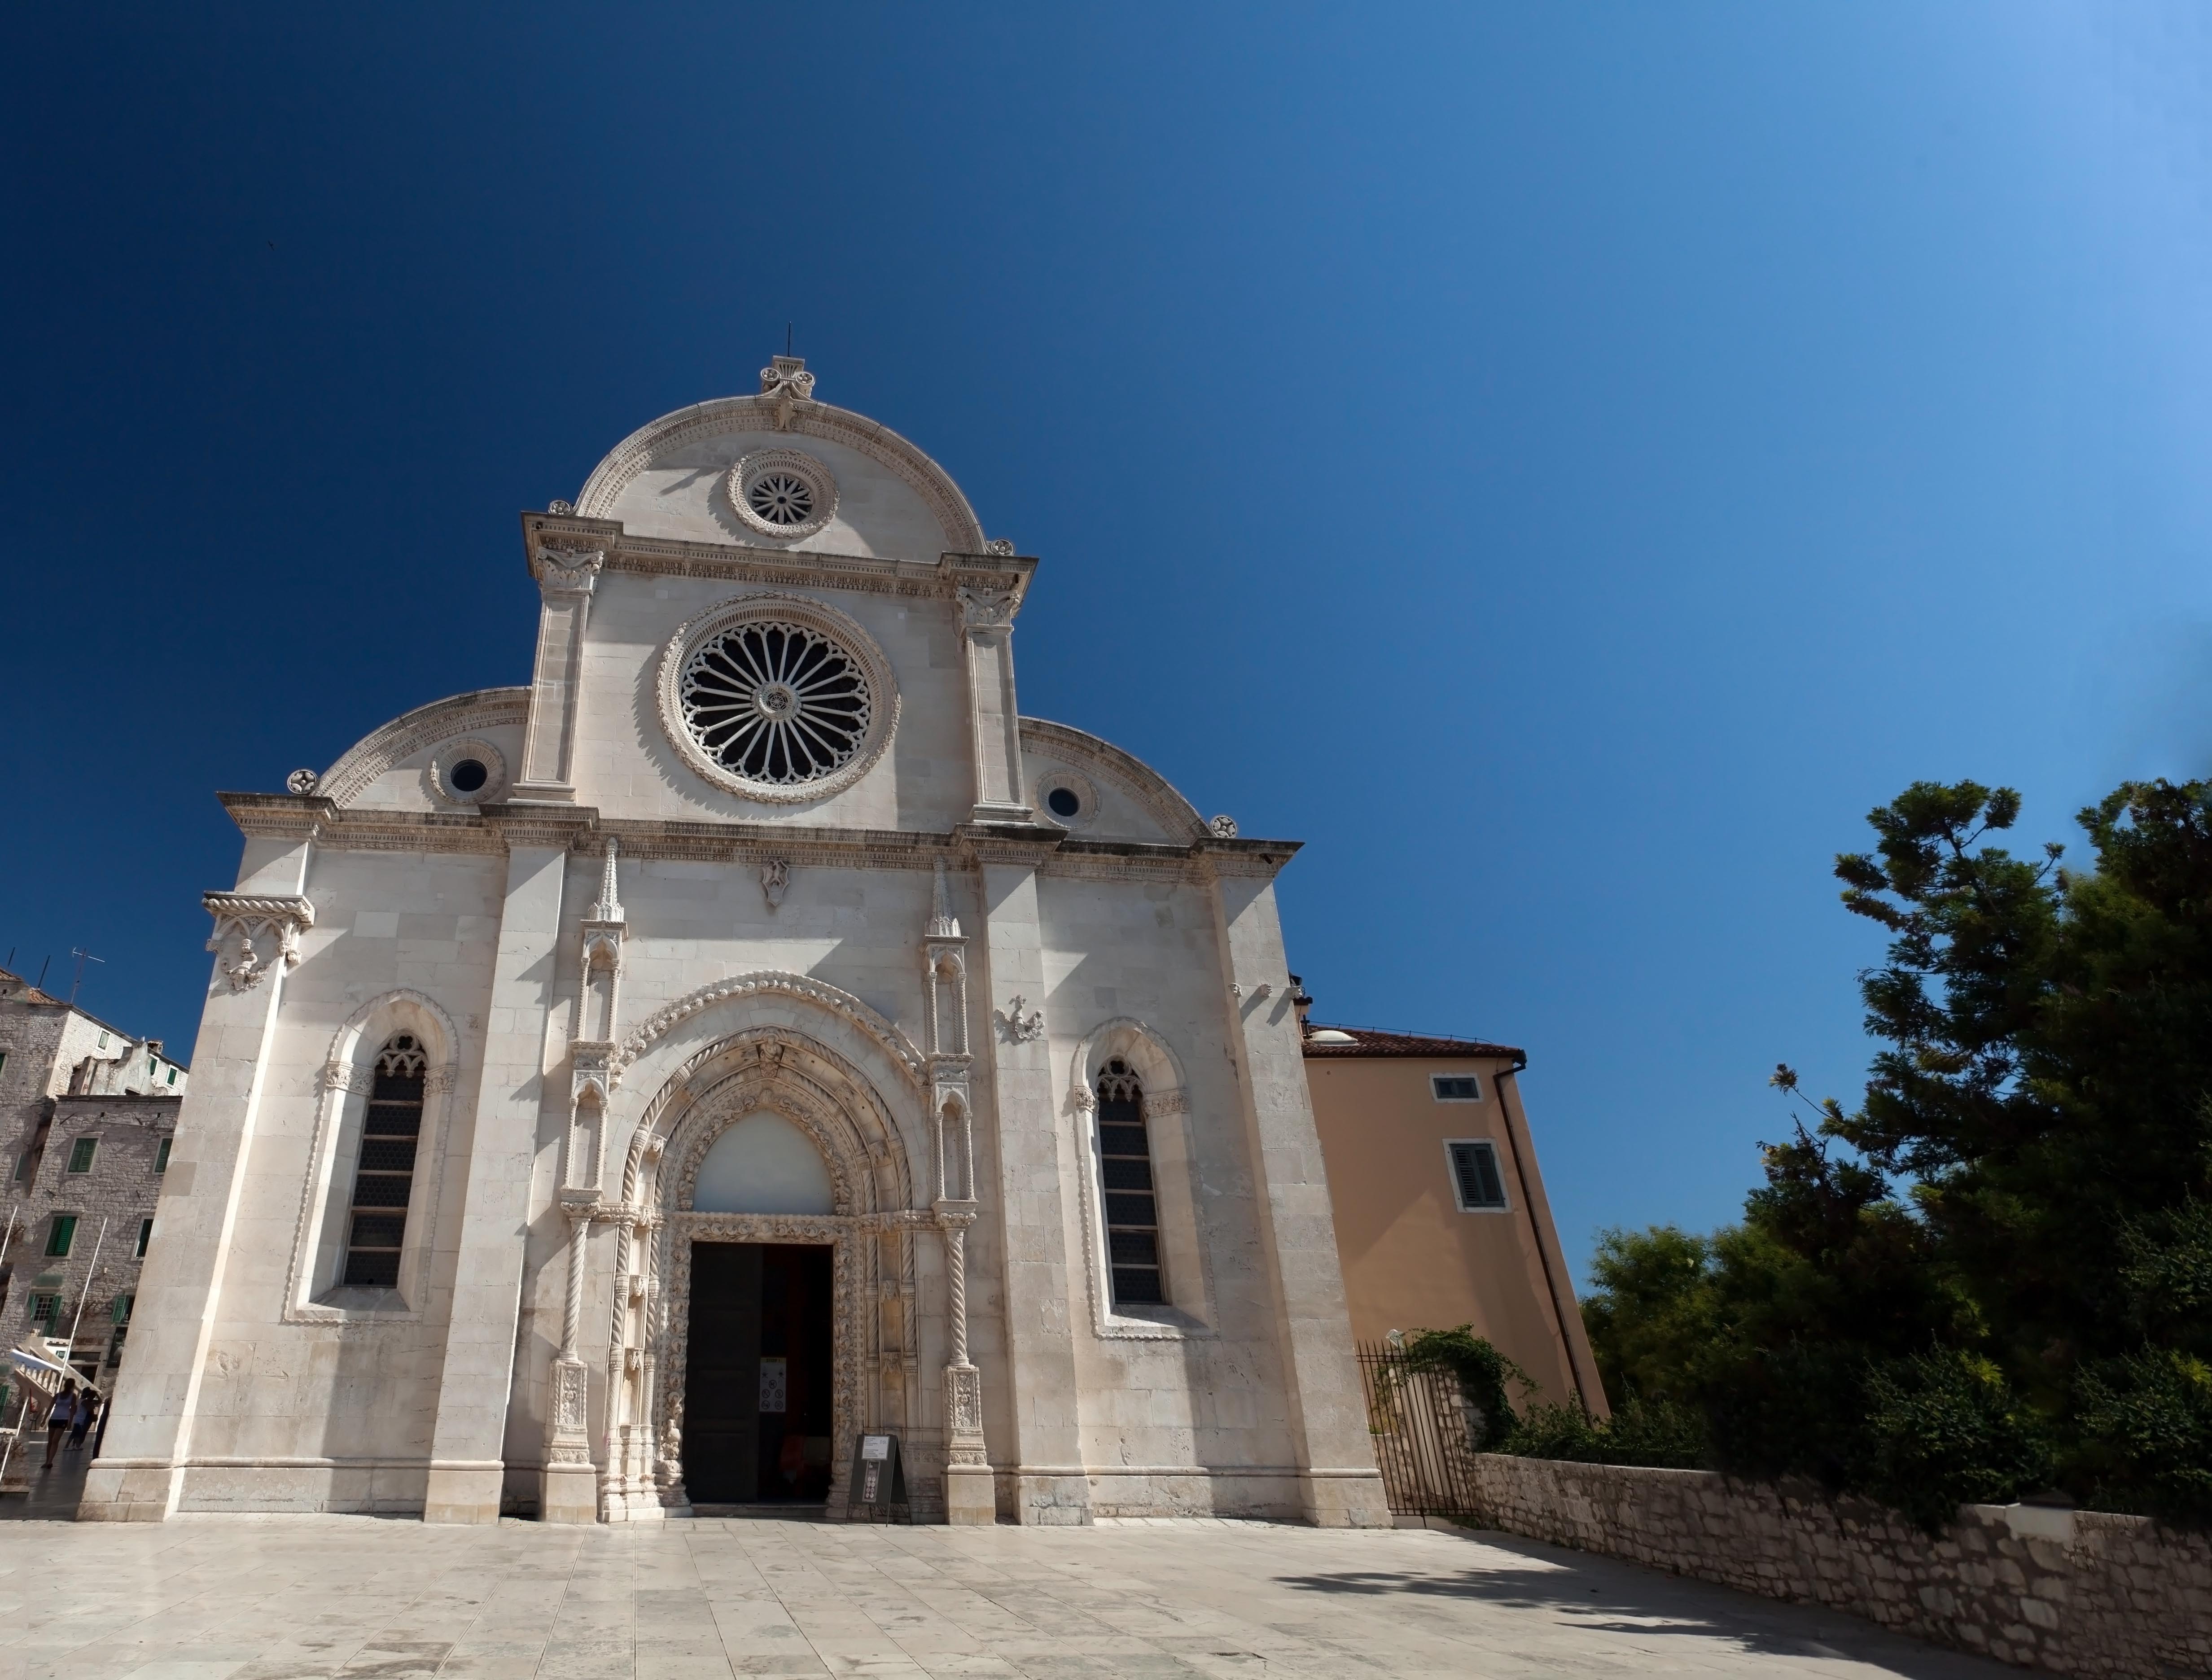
x=262, y=931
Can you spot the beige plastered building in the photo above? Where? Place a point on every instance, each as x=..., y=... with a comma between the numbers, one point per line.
x=1441, y=1215
x=619, y=1095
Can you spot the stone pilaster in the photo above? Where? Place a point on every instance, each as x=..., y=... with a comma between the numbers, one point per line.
x=988, y=605
x=566, y=557
x=466, y=1465
x=1339, y=1484
x=1047, y=1480
x=140, y=1476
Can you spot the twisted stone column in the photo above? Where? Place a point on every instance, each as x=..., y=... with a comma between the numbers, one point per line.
x=970, y=1489
x=569, y=1486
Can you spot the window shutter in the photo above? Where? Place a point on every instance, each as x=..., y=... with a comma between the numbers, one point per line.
x=1474, y=1166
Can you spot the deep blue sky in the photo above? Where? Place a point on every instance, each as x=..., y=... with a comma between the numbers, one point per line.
x=1565, y=465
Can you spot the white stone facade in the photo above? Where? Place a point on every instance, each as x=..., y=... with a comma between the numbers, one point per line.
x=917, y=931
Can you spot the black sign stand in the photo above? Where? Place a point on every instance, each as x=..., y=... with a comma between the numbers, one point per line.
x=878, y=1489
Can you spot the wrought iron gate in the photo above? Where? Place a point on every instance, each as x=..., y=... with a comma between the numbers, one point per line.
x=1424, y=1436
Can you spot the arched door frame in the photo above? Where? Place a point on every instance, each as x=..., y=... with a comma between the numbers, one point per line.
x=876, y=1358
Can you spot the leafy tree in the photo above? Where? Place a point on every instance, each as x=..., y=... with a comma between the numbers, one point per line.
x=2007, y=1275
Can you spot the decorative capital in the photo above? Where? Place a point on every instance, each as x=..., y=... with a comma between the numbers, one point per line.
x=581, y=1206
x=254, y=933
x=1014, y=1026
x=984, y=609
x=566, y=569
x=345, y=1076
x=953, y=1216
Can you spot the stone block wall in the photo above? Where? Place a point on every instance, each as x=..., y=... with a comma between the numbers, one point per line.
x=2072, y=1592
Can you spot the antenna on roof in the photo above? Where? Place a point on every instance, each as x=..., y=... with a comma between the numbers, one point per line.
x=82, y=957
x=43, y=966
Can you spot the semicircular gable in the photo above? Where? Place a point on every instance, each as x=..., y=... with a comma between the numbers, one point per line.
x=412, y=732
x=1150, y=790
x=964, y=533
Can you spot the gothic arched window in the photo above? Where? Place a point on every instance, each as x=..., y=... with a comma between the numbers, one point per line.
x=1125, y=1165
x=386, y=1177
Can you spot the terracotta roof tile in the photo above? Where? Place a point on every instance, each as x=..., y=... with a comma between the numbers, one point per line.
x=1369, y=1041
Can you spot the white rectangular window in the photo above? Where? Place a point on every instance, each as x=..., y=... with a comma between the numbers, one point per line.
x=1456, y=1088
x=1476, y=1181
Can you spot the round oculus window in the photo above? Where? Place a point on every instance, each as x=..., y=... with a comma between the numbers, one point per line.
x=775, y=703
x=1063, y=801
x=782, y=493
x=468, y=773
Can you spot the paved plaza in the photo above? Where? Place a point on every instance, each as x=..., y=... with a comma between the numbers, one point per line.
x=219, y=1597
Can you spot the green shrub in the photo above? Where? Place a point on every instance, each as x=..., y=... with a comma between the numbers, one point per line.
x=2147, y=1417
x=1658, y=1434
x=1943, y=1430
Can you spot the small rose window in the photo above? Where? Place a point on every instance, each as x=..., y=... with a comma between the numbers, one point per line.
x=782, y=493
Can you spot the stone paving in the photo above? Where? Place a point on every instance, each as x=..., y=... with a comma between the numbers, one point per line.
x=228, y=1597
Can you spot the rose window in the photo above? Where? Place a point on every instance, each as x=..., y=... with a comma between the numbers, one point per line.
x=782, y=498
x=775, y=702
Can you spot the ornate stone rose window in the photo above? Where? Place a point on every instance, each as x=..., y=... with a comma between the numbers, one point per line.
x=782, y=493
x=777, y=698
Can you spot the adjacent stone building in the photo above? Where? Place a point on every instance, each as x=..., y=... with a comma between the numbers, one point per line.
x=646, y=1091
x=86, y=1111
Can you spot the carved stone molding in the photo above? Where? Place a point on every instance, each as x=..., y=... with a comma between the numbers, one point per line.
x=776, y=881
x=1014, y=1026
x=983, y=607
x=566, y=567
x=345, y=1076
x=769, y=982
x=592, y=1069
x=786, y=382
x=744, y=479
x=254, y=933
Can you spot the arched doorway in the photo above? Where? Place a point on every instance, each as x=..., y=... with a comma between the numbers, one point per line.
x=772, y=1219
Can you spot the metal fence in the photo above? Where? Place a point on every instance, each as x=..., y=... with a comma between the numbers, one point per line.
x=1423, y=1431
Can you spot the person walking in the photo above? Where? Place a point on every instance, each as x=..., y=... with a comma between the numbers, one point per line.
x=60, y=1417
x=88, y=1408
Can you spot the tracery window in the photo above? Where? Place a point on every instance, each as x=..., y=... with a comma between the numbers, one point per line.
x=1125, y=1164
x=386, y=1177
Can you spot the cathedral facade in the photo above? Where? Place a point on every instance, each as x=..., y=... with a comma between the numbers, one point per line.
x=651, y=1089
